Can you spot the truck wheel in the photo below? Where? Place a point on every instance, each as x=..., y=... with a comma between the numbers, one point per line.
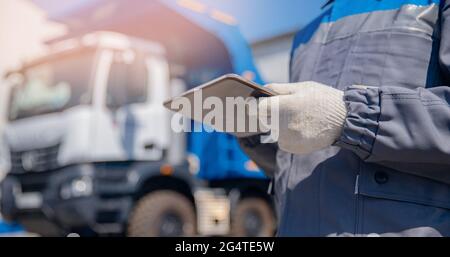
x=253, y=217
x=162, y=213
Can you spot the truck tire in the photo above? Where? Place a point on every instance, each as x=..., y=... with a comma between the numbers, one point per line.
x=253, y=217
x=162, y=213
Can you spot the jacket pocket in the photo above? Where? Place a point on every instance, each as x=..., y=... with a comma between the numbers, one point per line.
x=366, y=59
x=396, y=203
x=408, y=59
x=389, y=58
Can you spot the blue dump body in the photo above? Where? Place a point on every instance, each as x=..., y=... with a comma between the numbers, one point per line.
x=220, y=157
x=219, y=154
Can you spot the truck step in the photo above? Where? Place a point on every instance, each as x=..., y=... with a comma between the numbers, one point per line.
x=213, y=212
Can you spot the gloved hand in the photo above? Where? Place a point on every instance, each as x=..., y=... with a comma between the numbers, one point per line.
x=311, y=115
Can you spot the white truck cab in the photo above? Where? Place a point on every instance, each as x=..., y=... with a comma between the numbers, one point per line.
x=91, y=108
x=95, y=99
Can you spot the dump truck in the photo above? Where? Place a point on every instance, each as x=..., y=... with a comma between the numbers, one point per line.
x=88, y=143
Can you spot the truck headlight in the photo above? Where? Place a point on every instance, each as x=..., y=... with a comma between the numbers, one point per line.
x=78, y=187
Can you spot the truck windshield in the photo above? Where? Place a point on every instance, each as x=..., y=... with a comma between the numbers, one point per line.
x=52, y=86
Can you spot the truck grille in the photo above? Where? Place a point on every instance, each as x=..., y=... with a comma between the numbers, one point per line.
x=33, y=182
x=38, y=160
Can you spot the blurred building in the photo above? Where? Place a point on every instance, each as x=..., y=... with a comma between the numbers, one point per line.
x=272, y=57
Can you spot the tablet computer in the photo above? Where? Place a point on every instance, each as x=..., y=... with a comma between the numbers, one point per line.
x=229, y=86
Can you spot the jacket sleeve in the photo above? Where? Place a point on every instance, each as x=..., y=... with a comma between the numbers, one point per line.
x=405, y=129
x=401, y=128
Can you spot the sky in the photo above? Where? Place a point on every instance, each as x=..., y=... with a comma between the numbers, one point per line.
x=258, y=19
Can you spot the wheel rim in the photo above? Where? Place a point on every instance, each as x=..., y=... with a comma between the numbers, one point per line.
x=171, y=225
x=253, y=223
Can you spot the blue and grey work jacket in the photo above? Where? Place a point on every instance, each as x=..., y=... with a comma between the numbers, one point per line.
x=389, y=172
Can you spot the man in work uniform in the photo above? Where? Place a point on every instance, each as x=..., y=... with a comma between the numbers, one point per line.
x=364, y=145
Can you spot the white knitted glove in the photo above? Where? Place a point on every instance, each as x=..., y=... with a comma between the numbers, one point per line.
x=311, y=115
